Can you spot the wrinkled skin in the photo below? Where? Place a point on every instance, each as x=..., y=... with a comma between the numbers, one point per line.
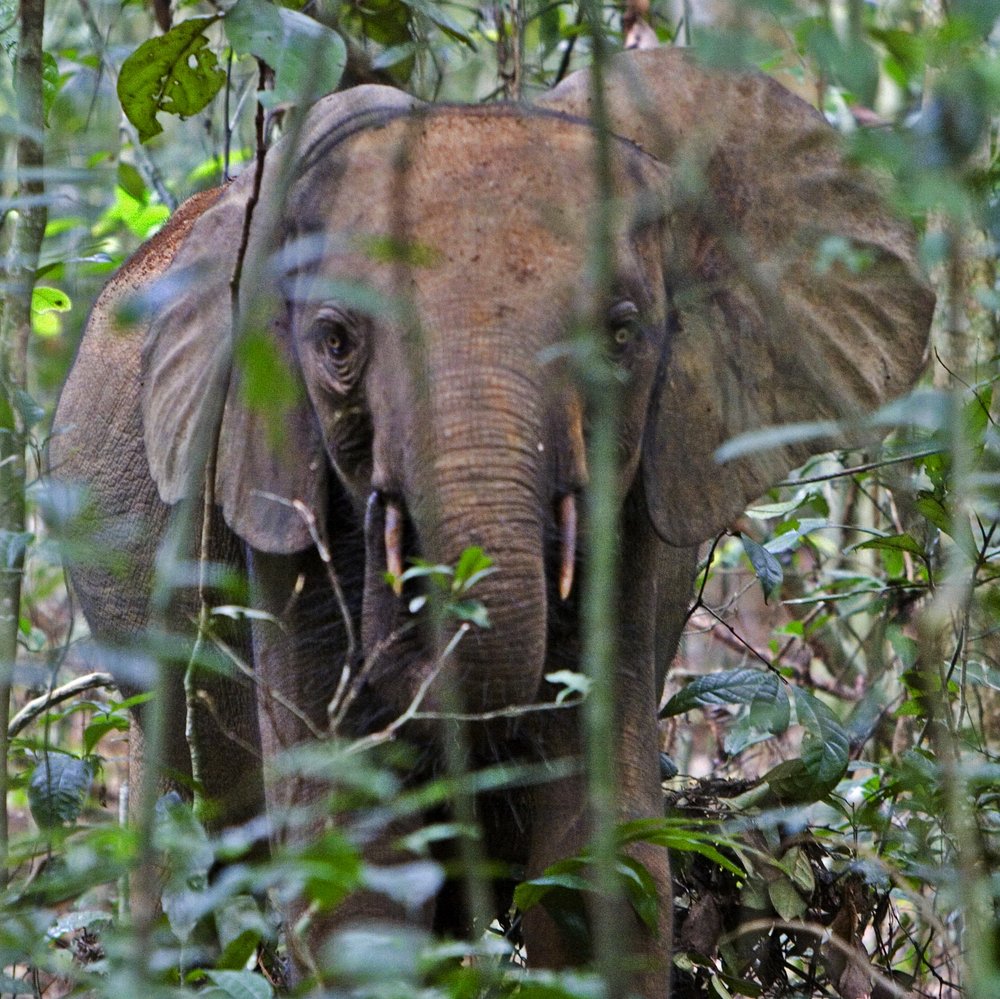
x=453, y=415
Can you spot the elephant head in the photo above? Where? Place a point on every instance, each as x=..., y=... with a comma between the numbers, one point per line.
x=447, y=395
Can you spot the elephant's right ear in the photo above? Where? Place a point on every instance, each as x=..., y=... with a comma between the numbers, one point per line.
x=796, y=292
x=189, y=383
x=268, y=456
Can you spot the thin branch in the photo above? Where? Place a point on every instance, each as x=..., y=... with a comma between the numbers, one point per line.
x=858, y=469
x=143, y=162
x=270, y=692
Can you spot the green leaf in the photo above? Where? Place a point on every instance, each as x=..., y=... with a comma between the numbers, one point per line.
x=237, y=613
x=737, y=686
x=307, y=57
x=765, y=566
x=640, y=888
x=52, y=82
x=100, y=727
x=331, y=868
x=571, y=683
x=435, y=14
x=58, y=787
x=563, y=874
x=682, y=837
x=472, y=566
x=47, y=299
x=824, y=756
x=937, y=513
x=31, y=412
x=13, y=546
x=785, y=897
x=131, y=182
x=46, y=304
x=176, y=73
x=70, y=922
x=470, y=610
x=238, y=985
x=893, y=542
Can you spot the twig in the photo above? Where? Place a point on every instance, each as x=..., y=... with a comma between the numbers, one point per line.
x=743, y=642
x=269, y=691
x=389, y=732
x=323, y=549
x=514, y=711
x=704, y=579
x=858, y=469
x=827, y=938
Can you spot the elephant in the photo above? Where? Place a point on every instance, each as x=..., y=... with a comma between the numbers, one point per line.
x=419, y=273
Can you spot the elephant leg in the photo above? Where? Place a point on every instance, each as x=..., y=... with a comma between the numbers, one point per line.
x=651, y=604
x=299, y=660
x=559, y=829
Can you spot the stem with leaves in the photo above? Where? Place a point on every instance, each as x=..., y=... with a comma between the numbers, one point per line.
x=600, y=626
x=15, y=329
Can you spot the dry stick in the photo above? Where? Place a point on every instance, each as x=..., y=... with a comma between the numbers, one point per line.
x=15, y=330
x=323, y=549
x=39, y=705
x=389, y=732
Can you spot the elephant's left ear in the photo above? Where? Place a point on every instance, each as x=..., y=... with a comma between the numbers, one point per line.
x=796, y=292
x=267, y=455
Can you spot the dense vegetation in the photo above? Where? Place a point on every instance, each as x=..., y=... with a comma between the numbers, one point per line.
x=837, y=785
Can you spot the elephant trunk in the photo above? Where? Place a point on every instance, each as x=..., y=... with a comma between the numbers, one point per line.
x=469, y=471
x=483, y=487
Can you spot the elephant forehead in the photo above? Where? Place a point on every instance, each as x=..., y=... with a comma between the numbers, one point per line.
x=488, y=174
x=493, y=203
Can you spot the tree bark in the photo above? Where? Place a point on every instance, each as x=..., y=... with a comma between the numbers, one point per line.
x=15, y=328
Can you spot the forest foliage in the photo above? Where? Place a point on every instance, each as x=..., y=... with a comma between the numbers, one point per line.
x=832, y=725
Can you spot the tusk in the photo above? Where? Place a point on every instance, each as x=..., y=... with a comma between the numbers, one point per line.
x=394, y=545
x=567, y=544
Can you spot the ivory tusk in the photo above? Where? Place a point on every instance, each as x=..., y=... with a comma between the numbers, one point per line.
x=567, y=544
x=394, y=545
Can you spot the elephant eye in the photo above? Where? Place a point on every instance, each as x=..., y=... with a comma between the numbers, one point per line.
x=623, y=323
x=336, y=343
x=333, y=338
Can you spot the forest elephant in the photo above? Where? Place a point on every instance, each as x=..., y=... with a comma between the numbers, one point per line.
x=422, y=272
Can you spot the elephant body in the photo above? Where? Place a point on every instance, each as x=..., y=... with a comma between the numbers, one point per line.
x=420, y=275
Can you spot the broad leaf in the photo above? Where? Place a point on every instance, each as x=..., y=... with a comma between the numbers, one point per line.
x=958, y=529
x=737, y=686
x=58, y=788
x=307, y=57
x=894, y=543
x=824, y=756
x=238, y=985
x=177, y=73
